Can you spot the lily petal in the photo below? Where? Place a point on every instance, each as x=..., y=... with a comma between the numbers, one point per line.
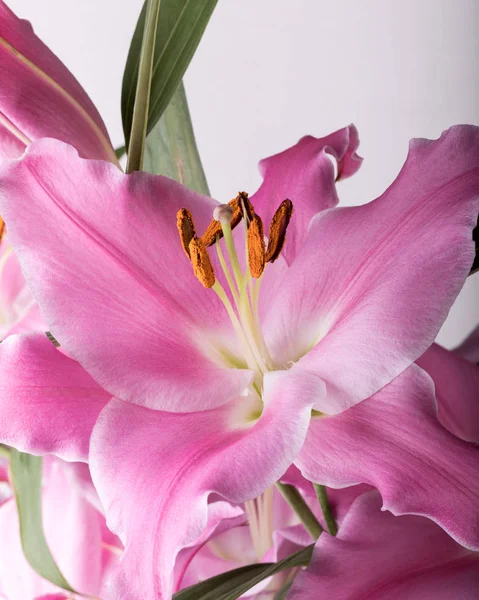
x=457, y=390
x=19, y=313
x=305, y=174
x=41, y=98
x=412, y=557
x=122, y=299
x=469, y=349
x=374, y=283
x=394, y=442
x=155, y=470
x=48, y=403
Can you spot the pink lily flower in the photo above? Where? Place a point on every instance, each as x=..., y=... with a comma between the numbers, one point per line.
x=41, y=98
x=85, y=550
x=315, y=369
x=378, y=556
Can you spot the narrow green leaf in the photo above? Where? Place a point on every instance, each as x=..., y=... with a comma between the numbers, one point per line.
x=26, y=473
x=141, y=104
x=233, y=584
x=180, y=27
x=120, y=151
x=171, y=147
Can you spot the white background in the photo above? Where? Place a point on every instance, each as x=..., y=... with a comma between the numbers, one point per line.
x=269, y=71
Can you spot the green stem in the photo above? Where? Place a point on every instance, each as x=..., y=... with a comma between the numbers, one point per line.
x=143, y=87
x=295, y=500
x=323, y=499
x=4, y=451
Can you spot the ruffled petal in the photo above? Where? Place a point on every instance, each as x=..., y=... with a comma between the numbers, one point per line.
x=154, y=472
x=379, y=556
x=41, y=98
x=394, y=442
x=305, y=174
x=457, y=390
x=374, y=283
x=48, y=403
x=102, y=256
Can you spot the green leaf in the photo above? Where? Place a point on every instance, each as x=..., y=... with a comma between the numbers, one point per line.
x=233, y=584
x=26, y=474
x=120, y=151
x=181, y=25
x=141, y=104
x=171, y=147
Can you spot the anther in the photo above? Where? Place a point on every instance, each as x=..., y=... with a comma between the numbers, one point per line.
x=201, y=262
x=247, y=207
x=214, y=229
x=186, y=229
x=2, y=228
x=256, y=247
x=277, y=230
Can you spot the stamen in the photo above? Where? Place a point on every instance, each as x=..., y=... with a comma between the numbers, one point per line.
x=248, y=209
x=201, y=262
x=256, y=247
x=2, y=228
x=277, y=230
x=186, y=229
x=214, y=229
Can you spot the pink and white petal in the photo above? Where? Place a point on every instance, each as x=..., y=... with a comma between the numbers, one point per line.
x=41, y=98
x=104, y=261
x=374, y=283
x=73, y=530
x=394, y=442
x=305, y=174
x=457, y=390
x=412, y=557
x=73, y=533
x=48, y=403
x=154, y=472
x=17, y=579
x=469, y=349
x=223, y=518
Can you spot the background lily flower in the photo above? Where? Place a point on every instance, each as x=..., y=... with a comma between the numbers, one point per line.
x=203, y=406
x=377, y=555
x=41, y=98
x=85, y=550
x=271, y=533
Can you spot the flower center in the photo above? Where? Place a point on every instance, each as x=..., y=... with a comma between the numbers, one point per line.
x=241, y=296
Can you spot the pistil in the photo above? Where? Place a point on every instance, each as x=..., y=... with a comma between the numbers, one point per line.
x=244, y=287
